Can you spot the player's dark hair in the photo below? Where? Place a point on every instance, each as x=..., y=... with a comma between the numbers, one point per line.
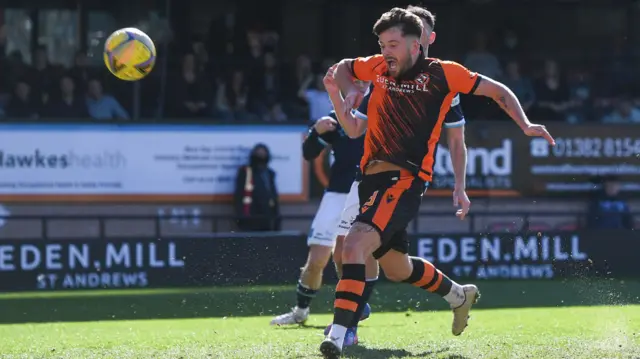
x=424, y=14
x=408, y=23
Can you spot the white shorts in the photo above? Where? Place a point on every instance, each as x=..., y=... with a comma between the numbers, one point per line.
x=350, y=211
x=325, y=223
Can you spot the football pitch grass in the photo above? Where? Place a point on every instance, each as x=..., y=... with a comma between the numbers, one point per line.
x=514, y=319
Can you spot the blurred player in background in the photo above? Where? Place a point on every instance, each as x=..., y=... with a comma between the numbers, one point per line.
x=454, y=125
x=412, y=95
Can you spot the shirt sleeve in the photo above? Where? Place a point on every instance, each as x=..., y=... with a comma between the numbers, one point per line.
x=455, y=117
x=365, y=68
x=459, y=78
x=315, y=143
x=361, y=112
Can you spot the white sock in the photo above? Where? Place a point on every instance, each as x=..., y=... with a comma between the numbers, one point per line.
x=338, y=331
x=456, y=296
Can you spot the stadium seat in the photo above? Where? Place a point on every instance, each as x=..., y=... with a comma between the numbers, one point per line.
x=539, y=227
x=567, y=226
x=502, y=227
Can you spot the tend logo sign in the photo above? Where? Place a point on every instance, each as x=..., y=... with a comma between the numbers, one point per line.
x=480, y=160
x=487, y=167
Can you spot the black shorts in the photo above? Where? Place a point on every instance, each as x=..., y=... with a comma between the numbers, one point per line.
x=388, y=202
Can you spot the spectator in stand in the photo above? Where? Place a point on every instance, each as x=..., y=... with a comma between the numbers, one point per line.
x=580, y=96
x=608, y=210
x=23, y=104
x=81, y=72
x=190, y=93
x=232, y=98
x=66, y=104
x=275, y=114
x=42, y=76
x=5, y=85
x=481, y=60
x=297, y=105
x=221, y=106
x=621, y=68
x=201, y=58
x=255, y=58
x=624, y=111
x=552, y=94
x=520, y=85
x=256, y=196
x=101, y=106
x=511, y=48
x=316, y=96
x=265, y=84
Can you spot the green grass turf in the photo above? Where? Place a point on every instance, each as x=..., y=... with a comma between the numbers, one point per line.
x=571, y=319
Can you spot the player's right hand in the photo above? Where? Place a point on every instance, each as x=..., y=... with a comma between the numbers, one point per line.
x=460, y=199
x=535, y=130
x=325, y=124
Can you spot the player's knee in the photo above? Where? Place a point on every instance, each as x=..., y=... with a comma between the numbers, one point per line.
x=318, y=259
x=394, y=276
x=361, y=241
x=314, y=267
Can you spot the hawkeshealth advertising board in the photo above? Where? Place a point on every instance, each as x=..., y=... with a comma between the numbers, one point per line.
x=105, y=163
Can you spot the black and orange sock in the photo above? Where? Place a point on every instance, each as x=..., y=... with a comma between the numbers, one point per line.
x=426, y=276
x=304, y=295
x=366, y=294
x=348, y=293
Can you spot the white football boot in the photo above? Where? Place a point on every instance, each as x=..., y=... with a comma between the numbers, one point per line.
x=295, y=316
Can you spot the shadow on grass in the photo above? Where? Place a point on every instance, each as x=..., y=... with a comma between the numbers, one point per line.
x=363, y=352
x=270, y=301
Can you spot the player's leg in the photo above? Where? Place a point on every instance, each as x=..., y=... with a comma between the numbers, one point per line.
x=361, y=241
x=398, y=266
x=320, y=242
x=349, y=214
x=351, y=210
x=380, y=195
x=337, y=254
x=347, y=217
x=363, y=312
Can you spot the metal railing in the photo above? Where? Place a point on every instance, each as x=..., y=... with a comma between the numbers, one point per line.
x=45, y=220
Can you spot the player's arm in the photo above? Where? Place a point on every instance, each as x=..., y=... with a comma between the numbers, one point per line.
x=361, y=68
x=353, y=126
x=320, y=136
x=464, y=81
x=454, y=127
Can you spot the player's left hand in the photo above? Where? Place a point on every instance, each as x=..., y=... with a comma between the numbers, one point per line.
x=534, y=130
x=352, y=100
x=460, y=199
x=329, y=81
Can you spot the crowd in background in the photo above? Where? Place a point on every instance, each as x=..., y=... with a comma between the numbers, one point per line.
x=238, y=75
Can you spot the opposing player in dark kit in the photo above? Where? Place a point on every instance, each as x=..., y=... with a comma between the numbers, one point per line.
x=407, y=107
x=323, y=237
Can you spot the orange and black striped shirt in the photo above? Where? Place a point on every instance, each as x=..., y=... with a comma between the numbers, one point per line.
x=405, y=114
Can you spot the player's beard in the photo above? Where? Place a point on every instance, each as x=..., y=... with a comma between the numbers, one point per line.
x=406, y=65
x=396, y=67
